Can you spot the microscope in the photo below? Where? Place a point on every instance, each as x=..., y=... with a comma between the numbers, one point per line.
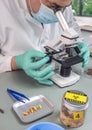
x=65, y=51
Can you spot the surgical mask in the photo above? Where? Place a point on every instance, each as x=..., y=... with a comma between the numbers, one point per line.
x=45, y=15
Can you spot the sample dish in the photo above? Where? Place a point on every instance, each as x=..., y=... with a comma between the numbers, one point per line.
x=37, y=107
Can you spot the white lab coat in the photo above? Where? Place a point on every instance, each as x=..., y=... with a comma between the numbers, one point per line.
x=19, y=32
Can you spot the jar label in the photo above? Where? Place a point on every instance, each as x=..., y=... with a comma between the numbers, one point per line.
x=78, y=115
x=76, y=97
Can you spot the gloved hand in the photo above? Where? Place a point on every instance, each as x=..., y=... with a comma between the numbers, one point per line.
x=85, y=53
x=32, y=67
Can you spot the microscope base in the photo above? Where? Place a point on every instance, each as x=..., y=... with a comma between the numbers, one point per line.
x=65, y=81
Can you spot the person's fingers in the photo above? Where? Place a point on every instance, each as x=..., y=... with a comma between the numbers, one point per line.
x=48, y=76
x=35, y=53
x=40, y=63
x=46, y=82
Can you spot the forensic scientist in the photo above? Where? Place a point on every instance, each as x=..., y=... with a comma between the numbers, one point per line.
x=26, y=26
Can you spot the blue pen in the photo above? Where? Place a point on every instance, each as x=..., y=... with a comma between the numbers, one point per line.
x=17, y=95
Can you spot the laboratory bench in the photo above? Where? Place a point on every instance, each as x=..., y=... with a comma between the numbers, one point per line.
x=18, y=81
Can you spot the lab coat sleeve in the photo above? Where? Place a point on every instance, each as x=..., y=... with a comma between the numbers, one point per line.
x=5, y=60
x=5, y=63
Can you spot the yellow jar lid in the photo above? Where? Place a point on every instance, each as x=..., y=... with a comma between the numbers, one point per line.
x=75, y=99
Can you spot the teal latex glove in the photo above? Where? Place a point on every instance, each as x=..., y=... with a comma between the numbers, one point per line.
x=85, y=53
x=33, y=67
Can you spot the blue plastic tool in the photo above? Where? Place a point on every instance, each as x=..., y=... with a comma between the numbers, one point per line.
x=45, y=126
x=17, y=95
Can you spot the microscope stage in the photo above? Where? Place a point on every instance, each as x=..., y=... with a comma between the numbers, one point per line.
x=65, y=81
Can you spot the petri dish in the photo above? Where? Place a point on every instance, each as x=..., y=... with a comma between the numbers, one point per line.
x=45, y=126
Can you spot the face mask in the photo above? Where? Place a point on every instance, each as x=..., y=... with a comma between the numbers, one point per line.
x=45, y=15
